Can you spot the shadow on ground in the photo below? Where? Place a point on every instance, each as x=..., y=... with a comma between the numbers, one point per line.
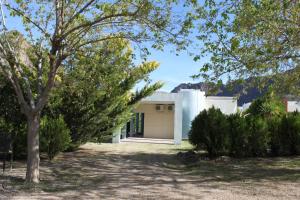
x=131, y=175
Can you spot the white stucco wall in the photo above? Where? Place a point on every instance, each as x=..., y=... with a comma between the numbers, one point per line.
x=245, y=106
x=116, y=135
x=188, y=103
x=228, y=105
x=170, y=98
x=157, y=124
x=193, y=102
x=293, y=106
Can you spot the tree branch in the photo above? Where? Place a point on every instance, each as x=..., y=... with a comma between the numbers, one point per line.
x=14, y=63
x=47, y=35
x=78, y=13
x=15, y=83
x=96, y=21
x=99, y=40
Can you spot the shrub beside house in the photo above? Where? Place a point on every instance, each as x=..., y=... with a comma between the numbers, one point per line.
x=264, y=130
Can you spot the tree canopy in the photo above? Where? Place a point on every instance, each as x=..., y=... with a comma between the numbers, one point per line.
x=97, y=91
x=55, y=30
x=249, y=38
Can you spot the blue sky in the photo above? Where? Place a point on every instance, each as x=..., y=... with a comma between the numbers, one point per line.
x=173, y=69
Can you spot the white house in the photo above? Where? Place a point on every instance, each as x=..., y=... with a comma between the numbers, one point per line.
x=169, y=115
x=291, y=106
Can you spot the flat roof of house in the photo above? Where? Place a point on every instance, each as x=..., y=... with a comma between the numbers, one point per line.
x=221, y=98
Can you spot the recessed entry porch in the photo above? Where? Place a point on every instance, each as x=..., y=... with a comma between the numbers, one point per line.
x=156, y=117
x=152, y=120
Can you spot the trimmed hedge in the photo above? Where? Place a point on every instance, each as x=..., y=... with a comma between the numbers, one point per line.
x=258, y=136
x=289, y=135
x=274, y=124
x=238, y=136
x=209, y=131
x=246, y=136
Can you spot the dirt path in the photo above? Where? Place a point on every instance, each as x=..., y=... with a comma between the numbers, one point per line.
x=151, y=171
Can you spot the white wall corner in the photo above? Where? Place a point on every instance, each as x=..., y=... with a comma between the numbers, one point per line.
x=178, y=120
x=116, y=137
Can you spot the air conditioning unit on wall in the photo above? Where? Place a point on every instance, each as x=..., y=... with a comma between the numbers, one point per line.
x=170, y=107
x=159, y=107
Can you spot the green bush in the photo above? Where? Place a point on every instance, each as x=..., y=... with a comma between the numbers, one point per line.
x=254, y=135
x=267, y=106
x=289, y=135
x=238, y=135
x=18, y=135
x=209, y=131
x=55, y=136
x=258, y=140
x=274, y=124
x=20, y=145
x=12, y=121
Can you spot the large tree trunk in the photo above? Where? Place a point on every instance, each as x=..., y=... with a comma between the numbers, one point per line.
x=33, y=154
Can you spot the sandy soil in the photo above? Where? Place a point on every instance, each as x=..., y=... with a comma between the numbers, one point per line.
x=152, y=171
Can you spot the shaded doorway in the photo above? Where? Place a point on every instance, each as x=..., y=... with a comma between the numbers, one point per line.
x=135, y=127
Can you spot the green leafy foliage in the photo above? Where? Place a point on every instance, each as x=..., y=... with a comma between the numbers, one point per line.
x=209, y=131
x=96, y=96
x=274, y=124
x=55, y=136
x=289, y=135
x=258, y=140
x=267, y=106
x=251, y=39
x=246, y=135
x=238, y=135
x=12, y=121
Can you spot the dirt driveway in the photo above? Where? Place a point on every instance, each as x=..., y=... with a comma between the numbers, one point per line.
x=152, y=171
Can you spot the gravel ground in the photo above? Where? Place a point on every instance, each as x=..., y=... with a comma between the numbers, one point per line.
x=152, y=171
